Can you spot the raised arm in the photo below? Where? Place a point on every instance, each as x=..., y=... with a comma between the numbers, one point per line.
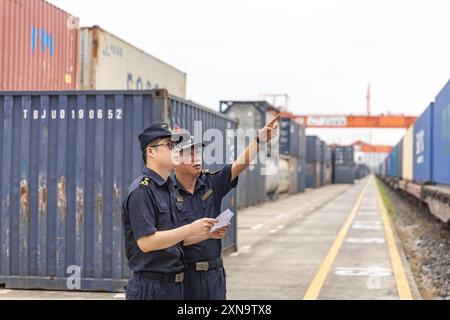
x=246, y=157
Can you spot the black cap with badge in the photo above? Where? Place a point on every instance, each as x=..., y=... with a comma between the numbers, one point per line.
x=189, y=143
x=158, y=130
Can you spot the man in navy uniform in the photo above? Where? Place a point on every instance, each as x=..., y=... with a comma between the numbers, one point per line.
x=153, y=221
x=202, y=192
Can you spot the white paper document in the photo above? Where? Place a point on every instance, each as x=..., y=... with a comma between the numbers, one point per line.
x=224, y=219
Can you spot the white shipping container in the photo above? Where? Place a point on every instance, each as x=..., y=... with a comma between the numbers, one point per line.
x=110, y=63
x=408, y=157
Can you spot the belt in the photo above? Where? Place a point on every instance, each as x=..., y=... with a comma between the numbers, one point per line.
x=162, y=277
x=204, y=265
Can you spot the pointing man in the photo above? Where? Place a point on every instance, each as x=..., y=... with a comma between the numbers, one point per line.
x=202, y=193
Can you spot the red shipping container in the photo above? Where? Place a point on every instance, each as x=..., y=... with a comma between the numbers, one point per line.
x=38, y=46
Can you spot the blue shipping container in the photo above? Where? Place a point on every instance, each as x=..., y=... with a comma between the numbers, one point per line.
x=441, y=137
x=393, y=162
x=313, y=146
x=423, y=146
x=68, y=159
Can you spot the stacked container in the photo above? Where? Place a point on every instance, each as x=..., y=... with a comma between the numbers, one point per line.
x=343, y=164
x=68, y=160
x=38, y=46
x=313, y=162
x=292, y=150
x=254, y=186
x=110, y=63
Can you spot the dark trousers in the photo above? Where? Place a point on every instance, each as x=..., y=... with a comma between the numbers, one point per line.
x=205, y=285
x=139, y=288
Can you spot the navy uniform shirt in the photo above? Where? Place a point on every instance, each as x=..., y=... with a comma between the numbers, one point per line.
x=206, y=202
x=152, y=204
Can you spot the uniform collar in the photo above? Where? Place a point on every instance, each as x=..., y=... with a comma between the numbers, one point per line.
x=154, y=176
x=198, y=183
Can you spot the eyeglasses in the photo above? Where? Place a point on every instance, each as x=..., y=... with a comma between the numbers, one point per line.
x=170, y=144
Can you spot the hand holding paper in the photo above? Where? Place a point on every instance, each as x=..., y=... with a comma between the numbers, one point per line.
x=223, y=219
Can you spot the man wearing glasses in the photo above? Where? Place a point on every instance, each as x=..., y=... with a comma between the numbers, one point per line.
x=153, y=222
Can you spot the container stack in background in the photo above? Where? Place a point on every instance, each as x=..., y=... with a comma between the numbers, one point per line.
x=343, y=164
x=292, y=155
x=49, y=51
x=254, y=187
x=313, y=162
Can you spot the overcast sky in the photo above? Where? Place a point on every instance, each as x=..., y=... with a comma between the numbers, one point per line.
x=322, y=53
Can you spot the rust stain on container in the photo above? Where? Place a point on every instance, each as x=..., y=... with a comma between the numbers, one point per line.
x=24, y=199
x=61, y=196
x=80, y=203
x=42, y=196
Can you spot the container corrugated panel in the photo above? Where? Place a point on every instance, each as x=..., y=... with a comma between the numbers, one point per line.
x=38, y=46
x=69, y=158
x=441, y=137
x=313, y=152
x=312, y=174
x=197, y=119
x=423, y=146
x=110, y=63
x=323, y=147
x=343, y=174
x=407, y=158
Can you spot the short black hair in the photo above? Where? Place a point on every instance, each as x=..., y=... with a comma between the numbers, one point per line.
x=144, y=152
x=144, y=156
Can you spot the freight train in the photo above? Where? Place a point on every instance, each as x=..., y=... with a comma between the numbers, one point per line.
x=419, y=165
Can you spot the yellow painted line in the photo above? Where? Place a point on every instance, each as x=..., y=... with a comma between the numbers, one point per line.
x=401, y=280
x=316, y=285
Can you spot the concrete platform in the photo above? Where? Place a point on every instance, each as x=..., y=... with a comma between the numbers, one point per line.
x=327, y=243
x=297, y=253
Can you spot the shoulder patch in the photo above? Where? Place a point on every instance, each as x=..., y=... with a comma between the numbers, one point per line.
x=207, y=194
x=145, y=182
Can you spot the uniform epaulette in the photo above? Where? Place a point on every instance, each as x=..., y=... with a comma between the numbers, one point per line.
x=145, y=182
